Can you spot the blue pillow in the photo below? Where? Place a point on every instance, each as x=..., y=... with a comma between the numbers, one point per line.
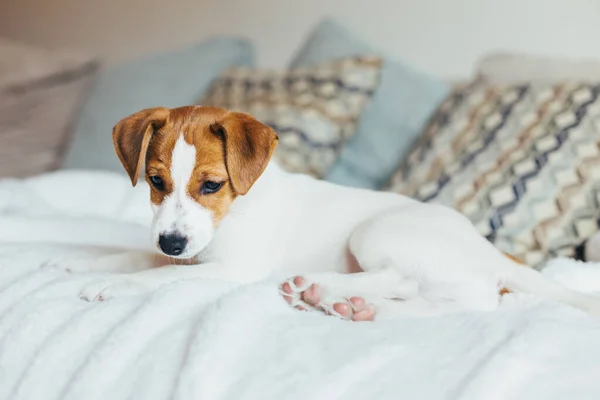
x=400, y=108
x=170, y=79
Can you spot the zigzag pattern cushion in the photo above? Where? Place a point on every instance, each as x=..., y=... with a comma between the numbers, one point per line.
x=313, y=109
x=522, y=162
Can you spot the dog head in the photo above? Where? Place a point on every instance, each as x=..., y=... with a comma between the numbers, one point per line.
x=197, y=161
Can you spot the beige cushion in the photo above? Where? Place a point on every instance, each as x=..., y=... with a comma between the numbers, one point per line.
x=40, y=94
x=515, y=68
x=314, y=109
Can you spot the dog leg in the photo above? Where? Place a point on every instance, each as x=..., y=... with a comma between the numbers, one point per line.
x=451, y=261
x=362, y=296
x=347, y=296
x=128, y=262
x=429, y=256
x=142, y=282
x=439, y=248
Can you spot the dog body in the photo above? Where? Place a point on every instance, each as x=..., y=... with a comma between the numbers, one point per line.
x=292, y=223
x=220, y=202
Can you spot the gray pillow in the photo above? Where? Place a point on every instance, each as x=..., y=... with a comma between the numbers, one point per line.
x=41, y=91
x=170, y=79
x=401, y=106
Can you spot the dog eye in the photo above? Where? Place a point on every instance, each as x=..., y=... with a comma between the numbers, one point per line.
x=209, y=187
x=157, y=182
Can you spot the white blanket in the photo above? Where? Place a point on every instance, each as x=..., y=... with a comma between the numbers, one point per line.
x=211, y=340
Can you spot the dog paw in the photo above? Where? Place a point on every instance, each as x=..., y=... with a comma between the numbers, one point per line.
x=306, y=296
x=61, y=264
x=298, y=293
x=111, y=288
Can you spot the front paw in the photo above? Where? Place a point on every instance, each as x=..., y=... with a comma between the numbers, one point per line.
x=61, y=264
x=111, y=288
x=303, y=295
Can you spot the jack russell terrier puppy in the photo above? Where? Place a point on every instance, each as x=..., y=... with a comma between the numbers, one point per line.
x=222, y=206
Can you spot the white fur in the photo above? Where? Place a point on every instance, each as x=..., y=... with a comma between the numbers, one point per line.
x=292, y=224
x=179, y=213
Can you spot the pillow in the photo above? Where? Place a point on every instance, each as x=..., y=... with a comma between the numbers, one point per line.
x=517, y=68
x=522, y=162
x=400, y=108
x=170, y=79
x=314, y=110
x=40, y=94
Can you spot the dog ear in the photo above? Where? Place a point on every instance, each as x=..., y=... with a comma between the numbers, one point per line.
x=249, y=145
x=131, y=137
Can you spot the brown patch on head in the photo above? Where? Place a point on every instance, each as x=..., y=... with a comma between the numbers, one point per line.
x=232, y=149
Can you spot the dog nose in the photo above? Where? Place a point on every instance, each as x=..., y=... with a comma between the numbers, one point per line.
x=172, y=244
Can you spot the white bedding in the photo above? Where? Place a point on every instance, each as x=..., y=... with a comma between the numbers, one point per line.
x=211, y=340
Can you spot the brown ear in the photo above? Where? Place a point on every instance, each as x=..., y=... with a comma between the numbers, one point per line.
x=249, y=145
x=131, y=136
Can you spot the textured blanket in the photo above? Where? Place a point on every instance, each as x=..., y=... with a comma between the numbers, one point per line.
x=216, y=340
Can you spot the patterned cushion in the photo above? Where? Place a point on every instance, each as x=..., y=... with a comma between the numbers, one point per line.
x=40, y=94
x=313, y=109
x=522, y=162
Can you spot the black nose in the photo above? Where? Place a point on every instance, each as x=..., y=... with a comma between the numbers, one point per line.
x=172, y=244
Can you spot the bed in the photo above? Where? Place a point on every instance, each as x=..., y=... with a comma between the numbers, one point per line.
x=218, y=340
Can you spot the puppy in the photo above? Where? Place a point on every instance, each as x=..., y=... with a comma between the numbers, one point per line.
x=222, y=206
